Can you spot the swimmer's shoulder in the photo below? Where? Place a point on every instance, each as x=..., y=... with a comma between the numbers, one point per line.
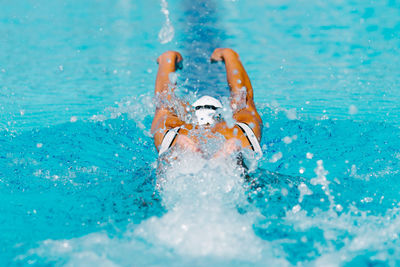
x=234, y=132
x=188, y=132
x=183, y=135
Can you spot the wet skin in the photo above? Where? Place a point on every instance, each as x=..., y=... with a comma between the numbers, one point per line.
x=242, y=104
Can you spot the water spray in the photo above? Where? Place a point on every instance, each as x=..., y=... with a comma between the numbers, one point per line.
x=167, y=32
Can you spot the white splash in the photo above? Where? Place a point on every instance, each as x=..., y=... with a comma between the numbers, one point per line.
x=375, y=234
x=321, y=180
x=304, y=191
x=227, y=112
x=167, y=31
x=202, y=220
x=202, y=225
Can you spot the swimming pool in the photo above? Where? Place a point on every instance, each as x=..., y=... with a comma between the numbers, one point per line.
x=77, y=167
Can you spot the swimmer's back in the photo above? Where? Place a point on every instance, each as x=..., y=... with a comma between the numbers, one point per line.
x=188, y=137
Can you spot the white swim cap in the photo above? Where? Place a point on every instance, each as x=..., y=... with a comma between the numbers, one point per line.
x=206, y=108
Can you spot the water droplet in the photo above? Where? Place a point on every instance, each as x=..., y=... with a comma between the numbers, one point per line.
x=291, y=114
x=339, y=207
x=276, y=157
x=296, y=208
x=353, y=110
x=287, y=140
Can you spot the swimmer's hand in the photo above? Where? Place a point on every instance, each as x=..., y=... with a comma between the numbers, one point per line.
x=171, y=57
x=222, y=54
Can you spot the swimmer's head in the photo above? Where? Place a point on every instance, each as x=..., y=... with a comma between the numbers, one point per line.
x=206, y=109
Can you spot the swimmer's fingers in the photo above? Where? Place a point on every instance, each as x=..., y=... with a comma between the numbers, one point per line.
x=217, y=55
x=169, y=57
x=222, y=54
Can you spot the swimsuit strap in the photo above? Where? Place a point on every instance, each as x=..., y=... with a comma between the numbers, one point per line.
x=248, y=132
x=171, y=134
x=168, y=139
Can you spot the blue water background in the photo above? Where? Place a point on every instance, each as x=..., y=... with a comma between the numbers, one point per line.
x=77, y=159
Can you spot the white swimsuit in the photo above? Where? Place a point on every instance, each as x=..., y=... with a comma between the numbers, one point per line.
x=168, y=139
x=171, y=134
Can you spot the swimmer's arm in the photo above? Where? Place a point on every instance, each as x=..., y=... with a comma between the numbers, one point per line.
x=164, y=117
x=242, y=101
x=235, y=73
x=168, y=62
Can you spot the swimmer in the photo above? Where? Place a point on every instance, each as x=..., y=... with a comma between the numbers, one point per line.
x=170, y=131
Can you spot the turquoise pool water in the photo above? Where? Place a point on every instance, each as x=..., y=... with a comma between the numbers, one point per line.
x=78, y=167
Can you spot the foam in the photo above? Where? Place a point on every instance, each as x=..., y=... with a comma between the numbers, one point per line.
x=202, y=225
x=202, y=222
x=377, y=236
x=201, y=197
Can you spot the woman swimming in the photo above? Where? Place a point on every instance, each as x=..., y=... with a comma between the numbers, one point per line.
x=207, y=123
